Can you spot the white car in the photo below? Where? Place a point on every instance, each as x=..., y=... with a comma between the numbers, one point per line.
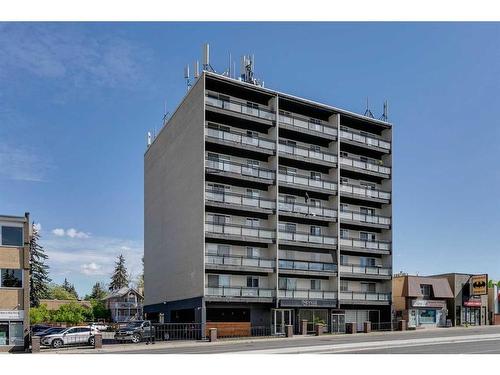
x=71, y=336
x=99, y=326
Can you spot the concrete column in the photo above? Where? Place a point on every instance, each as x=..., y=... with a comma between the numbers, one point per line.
x=98, y=341
x=289, y=331
x=351, y=328
x=318, y=329
x=303, y=327
x=35, y=344
x=402, y=325
x=367, y=327
x=212, y=335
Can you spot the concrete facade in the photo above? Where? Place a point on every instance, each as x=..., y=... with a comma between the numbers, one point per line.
x=271, y=205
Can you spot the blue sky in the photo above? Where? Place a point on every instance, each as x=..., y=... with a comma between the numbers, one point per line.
x=76, y=101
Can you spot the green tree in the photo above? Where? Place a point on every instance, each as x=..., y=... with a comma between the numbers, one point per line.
x=70, y=288
x=140, y=279
x=39, y=314
x=72, y=313
x=58, y=292
x=120, y=277
x=99, y=310
x=98, y=292
x=39, y=271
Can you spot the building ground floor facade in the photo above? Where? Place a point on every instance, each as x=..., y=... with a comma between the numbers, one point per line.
x=12, y=330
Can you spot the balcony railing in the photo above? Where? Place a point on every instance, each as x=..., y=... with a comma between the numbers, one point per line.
x=305, y=237
x=370, y=140
x=304, y=123
x=307, y=152
x=365, y=244
x=365, y=270
x=239, y=199
x=365, y=218
x=365, y=296
x=361, y=191
x=240, y=107
x=227, y=291
x=305, y=209
x=307, y=294
x=239, y=230
x=238, y=261
x=307, y=181
x=243, y=169
x=125, y=305
x=240, y=138
x=300, y=265
x=370, y=165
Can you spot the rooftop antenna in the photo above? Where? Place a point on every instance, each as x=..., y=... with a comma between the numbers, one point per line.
x=368, y=113
x=165, y=114
x=149, y=139
x=385, y=115
x=206, y=58
x=247, y=70
x=187, y=77
x=230, y=64
x=196, y=72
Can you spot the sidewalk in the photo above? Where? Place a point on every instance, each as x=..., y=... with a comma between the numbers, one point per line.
x=143, y=347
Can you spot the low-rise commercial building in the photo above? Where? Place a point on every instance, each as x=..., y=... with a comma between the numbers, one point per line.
x=421, y=301
x=15, y=234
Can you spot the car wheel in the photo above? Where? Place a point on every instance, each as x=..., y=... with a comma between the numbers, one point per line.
x=92, y=341
x=136, y=338
x=57, y=343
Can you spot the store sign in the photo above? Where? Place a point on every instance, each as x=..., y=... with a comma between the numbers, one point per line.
x=307, y=303
x=479, y=285
x=473, y=302
x=11, y=314
x=427, y=303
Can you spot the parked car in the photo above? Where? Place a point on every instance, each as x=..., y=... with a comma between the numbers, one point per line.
x=49, y=331
x=135, y=331
x=71, y=336
x=36, y=328
x=100, y=326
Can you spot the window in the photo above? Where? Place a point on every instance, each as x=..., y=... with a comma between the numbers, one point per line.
x=314, y=121
x=218, y=219
x=344, y=286
x=223, y=250
x=315, y=284
x=315, y=148
x=344, y=180
x=344, y=233
x=315, y=202
x=368, y=287
x=252, y=282
x=363, y=159
x=344, y=154
x=344, y=259
x=288, y=227
x=251, y=222
x=252, y=193
x=12, y=236
x=367, y=185
x=218, y=281
x=315, y=230
x=252, y=134
x=366, y=236
x=344, y=207
x=253, y=252
x=253, y=163
x=315, y=176
x=367, y=262
x=367, y=211
x=425, y=289
x=290, y=143
x=10, y=278
x=290, y=199
x=287, y=283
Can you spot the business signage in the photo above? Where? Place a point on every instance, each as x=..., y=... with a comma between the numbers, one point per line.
x=427, y=303
x=472, y=303
x=479, y=285
x=11, y=314
x=307, y=303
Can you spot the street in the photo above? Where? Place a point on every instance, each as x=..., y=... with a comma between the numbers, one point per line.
x=472, y=340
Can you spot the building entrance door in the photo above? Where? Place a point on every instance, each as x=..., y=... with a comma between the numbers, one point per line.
x=338, y=323
x=281, y=318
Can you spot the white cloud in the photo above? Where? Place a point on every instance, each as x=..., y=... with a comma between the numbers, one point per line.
x=92, y=269
x=22, y=163
x=59, y=232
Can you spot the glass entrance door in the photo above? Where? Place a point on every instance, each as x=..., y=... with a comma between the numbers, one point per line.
x=338, y=323
x=281, y=318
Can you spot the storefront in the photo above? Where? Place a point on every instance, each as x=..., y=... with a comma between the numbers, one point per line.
x=471, y=311
x=427, y=313
x=11, y=328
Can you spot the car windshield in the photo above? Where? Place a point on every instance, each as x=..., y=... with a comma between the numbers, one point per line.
x=134, y=324
x=52, y=331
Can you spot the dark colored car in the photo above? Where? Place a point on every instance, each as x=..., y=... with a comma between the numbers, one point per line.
x=50, y=331
x=37, y=328
x=135, y=331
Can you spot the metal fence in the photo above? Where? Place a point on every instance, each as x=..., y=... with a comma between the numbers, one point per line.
x=178, y=331
x=384, y=326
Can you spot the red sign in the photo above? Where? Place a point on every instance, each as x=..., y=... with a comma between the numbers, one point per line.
x=472, y=303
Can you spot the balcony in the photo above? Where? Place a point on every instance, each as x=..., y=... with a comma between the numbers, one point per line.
x=238, y=107
x=365, y=193
x=308, y=126
x=306, y=268
x=309, y=211
x=307, y=294
x=306, y=239
x=365, y=165
x=309, y=155
x=239, y=293
x=365, y=219
x=238, y=139
x=365, y=246
x=239, y=232
x=367, y=298
x=239, y=170
x=213, y=261
x=365, y=272
x=363, y=139
x=238, y=201
x=307, y=183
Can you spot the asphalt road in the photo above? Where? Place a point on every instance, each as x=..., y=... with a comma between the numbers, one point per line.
x=470, y=340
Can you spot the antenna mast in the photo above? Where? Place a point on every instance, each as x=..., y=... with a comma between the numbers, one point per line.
x=385, y=115
x=368, y=113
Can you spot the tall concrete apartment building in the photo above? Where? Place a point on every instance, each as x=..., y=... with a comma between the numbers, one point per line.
x=267, y=208
x=15, y=235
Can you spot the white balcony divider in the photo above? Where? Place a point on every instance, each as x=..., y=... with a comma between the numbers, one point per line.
x=307, y=181
x=305, y=123
x=364, y=192
x=307, y=294
x=364, y=218
x=240, y=138
x=365, y=296
x=365, y=270
x=371, y=140
x=307, y=210
x=362, y=244
x=240, y=107
x=226, y=291
x=365, y=165
x=243, y=169
x=238, y=261
x=239, y=199
x=239, y=230
x=307, y=153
